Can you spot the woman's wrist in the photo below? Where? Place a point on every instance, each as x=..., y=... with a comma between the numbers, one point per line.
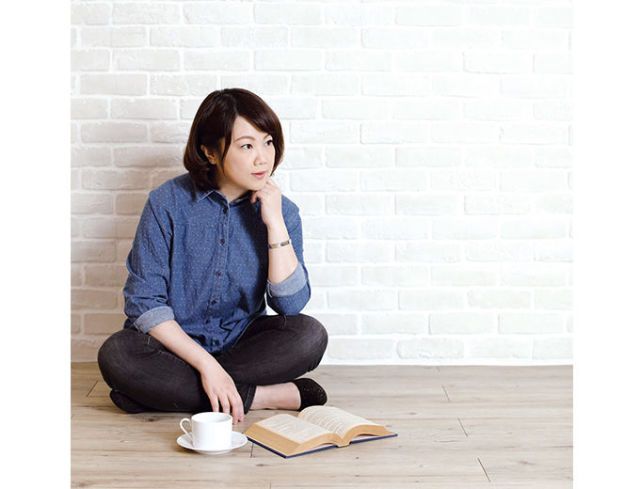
x=206, y=361
x=174, y=338
x=277, y=232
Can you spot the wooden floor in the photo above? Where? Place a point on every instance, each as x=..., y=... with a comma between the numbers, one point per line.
x=458, y=428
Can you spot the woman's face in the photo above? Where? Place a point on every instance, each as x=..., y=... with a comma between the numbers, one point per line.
x=251, y=151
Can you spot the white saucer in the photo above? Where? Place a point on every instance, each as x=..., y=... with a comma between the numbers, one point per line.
x=237, y=440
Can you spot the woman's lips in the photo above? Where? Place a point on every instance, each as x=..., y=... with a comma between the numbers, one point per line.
x=260, y=175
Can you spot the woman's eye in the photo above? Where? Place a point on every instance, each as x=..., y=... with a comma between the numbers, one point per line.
x=270, y=141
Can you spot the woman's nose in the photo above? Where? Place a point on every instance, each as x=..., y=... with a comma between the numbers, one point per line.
x=262, y=157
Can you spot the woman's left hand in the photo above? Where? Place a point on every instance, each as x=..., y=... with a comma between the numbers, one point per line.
x=270, y=203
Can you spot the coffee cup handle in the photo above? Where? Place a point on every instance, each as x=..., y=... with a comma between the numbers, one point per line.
x=188, y=433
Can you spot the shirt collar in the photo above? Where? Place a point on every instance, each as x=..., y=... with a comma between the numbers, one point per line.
x=200, y=194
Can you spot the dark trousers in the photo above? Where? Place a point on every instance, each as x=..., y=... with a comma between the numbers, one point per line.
x=271, y=350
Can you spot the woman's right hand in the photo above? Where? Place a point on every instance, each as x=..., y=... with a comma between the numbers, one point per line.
x=219, y=386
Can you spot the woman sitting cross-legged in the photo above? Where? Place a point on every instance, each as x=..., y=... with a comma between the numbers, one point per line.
x=209, y=245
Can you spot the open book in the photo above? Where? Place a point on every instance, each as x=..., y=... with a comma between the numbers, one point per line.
x=315, y=428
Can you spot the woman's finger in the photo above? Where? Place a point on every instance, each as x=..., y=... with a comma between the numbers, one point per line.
x=224, y=402
x=238, y=407
x=214, y=402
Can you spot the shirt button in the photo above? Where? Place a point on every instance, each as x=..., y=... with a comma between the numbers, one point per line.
x=222, y=241
x=218, y=273
x=225, y=210
x=214, y=301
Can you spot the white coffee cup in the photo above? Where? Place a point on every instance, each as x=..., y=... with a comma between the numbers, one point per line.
x=209, y=430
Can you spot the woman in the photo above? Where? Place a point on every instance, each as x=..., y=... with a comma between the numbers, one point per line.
x=208, y=246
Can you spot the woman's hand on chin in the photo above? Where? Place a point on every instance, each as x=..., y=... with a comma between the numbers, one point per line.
x=270, y=203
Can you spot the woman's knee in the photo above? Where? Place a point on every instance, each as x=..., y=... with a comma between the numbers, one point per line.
x=115, y=353
x=113, y=346
x=316, y=337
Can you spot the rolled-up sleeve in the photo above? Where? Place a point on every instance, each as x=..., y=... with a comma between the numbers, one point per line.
x=291, y=295
x=146, y=288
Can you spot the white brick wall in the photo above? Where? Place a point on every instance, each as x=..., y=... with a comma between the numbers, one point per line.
x=428, y=146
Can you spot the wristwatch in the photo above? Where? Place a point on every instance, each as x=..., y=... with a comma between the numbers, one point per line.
x=278, y=245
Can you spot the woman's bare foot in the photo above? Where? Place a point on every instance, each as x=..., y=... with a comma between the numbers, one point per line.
x=277, y=396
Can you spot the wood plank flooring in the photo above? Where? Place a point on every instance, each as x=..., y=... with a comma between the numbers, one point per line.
x=458, y=428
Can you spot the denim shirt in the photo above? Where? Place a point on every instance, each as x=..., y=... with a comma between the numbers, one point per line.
x=203, y=261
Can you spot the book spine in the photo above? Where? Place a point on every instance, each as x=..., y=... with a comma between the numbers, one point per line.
x=291, y=456
x=373, y=438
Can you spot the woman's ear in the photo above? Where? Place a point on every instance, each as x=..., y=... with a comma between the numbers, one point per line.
x=209, y=156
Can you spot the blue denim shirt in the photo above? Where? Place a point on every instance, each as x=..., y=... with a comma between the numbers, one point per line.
x=203, y=261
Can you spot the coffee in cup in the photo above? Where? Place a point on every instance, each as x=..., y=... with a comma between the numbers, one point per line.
x=209, y=430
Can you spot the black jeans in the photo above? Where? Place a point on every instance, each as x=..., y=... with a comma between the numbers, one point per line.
x=271, y=350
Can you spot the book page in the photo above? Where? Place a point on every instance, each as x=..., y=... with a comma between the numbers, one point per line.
x=291, y=427
x=333, y=418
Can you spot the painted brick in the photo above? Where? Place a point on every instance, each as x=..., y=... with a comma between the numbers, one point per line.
x=443, y=323
x=395, y=323
x=530, y=323
x=499, y=298
x=359, y=348
x=359, y=251
x=103, y=323
x=325, y=84
x=431, y=348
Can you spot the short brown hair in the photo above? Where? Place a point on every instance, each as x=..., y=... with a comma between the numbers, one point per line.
x=214, y=121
